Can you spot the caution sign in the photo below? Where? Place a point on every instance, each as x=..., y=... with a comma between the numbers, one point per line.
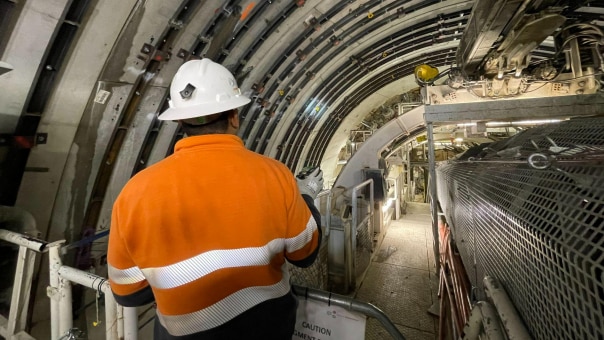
x=319, y=321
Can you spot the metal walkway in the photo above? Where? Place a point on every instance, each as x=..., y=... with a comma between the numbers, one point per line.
x=401, y=279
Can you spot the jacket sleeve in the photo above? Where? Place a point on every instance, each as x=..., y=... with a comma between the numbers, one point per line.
x=127, y=281
x=304, y=240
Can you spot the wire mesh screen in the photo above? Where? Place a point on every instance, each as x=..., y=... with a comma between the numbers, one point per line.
x=529, y=211
x=364, y=247
x=315, y=276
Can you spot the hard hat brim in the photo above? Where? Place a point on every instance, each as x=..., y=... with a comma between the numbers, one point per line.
x=205, y=109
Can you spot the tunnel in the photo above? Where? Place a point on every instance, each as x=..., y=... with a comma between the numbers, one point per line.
x=478, y=121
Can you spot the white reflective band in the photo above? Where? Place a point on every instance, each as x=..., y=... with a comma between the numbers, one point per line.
x=125, y=276
x=223, y=310
x=192, y=269
x=298, y=242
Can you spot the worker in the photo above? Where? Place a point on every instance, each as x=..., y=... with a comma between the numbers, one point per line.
x=207, y=232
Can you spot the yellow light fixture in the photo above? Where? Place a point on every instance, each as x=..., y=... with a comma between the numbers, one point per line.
x=424, y=73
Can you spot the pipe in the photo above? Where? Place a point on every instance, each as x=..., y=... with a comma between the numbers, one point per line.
x=460, y=282
x=483, y=317
x=457, y=324
x=99, y=284
x=130, y=323
x=505, y=308
x=53, y=292
x=111, y=324
x=120, y=322
x=85, y=279
x=23, y=240
x=19, y=305
x=351, y=305
x=445, y=288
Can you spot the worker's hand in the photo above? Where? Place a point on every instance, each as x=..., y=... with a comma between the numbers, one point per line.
x=310, y=184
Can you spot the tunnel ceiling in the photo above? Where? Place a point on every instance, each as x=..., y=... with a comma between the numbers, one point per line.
x=310, y=64
x=341, y=54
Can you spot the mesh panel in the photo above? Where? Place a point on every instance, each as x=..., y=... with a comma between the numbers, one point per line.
x=364, y=248
x=538, y=229
x=314, y=276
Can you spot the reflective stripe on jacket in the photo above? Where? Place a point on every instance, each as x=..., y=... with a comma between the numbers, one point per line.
x=208, y=229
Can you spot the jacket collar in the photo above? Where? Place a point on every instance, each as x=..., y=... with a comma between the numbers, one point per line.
x=213, y=140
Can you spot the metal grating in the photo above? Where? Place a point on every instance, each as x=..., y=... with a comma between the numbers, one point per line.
x=530, y=212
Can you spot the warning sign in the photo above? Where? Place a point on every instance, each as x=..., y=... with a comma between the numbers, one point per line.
x=319, y=321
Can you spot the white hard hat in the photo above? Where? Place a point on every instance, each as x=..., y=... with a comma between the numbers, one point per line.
x=202, y=88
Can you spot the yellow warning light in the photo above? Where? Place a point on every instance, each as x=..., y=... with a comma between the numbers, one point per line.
x=424, y=73
x=421, y=138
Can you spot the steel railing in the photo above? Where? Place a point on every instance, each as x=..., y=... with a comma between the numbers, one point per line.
x=120, y=322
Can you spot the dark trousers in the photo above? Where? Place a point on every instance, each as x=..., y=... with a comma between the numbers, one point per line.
x=271, y=320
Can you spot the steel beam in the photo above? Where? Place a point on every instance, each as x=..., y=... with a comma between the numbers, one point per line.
x=516, y=109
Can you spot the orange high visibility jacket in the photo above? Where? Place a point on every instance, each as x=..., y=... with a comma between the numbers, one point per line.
x=206, y=233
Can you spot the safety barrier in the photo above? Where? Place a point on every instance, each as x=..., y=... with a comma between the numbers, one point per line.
x=120, y=322
x=29, y=248
x=340, y=254
x=358, y=258
x=529, y=211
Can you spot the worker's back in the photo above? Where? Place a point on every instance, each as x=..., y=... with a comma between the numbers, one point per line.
x=209, y=228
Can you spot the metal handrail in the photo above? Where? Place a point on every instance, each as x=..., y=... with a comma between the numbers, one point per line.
x=23, y=240
x=120, y=322
x=29, y=248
